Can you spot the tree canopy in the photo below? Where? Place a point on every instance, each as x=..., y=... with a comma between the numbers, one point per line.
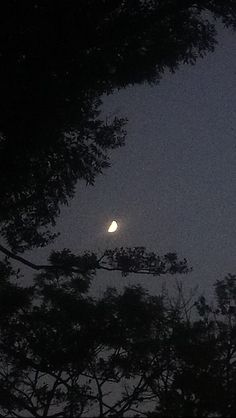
x=64, y=353
x=56, y=62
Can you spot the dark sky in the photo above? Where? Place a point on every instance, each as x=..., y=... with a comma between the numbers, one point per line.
x=172, y=187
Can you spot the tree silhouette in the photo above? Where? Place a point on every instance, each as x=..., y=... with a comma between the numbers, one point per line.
x=201, y=374
x=60, y=348
x=64, y=353
x=56, y=62
x=61, y=351
x=39, y=177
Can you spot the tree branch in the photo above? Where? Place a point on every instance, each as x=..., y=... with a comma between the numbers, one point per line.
x=126, y=260
x=35, y=266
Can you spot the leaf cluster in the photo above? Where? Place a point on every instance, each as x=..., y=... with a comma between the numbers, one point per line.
x=64, y=353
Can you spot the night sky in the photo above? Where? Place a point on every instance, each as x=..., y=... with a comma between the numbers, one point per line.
x=172, y=187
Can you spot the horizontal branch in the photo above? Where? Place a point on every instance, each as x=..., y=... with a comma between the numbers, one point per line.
x=141, y=271
x=145, y=267
x=36, y=266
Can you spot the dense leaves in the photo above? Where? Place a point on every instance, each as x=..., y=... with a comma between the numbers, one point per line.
x=64, y=353
x=40, y=177
x=57, y=59
x=138, y=260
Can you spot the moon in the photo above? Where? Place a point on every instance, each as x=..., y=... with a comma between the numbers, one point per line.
x=113, y=227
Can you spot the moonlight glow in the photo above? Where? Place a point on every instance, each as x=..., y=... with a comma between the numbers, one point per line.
x=113, y=227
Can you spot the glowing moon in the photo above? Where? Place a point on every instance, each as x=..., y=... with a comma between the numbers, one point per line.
x=113, y=227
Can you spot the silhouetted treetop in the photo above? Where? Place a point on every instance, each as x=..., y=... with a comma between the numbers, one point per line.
x=64, y=353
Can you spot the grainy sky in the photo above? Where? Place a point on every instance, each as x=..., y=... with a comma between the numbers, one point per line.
x=173, y=186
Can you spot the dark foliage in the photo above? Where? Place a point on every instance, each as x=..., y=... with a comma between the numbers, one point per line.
x=64, y=353
x=57, y=59
x=59, y=347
